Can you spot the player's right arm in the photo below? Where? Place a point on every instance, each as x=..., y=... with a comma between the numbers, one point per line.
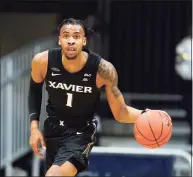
x=38, y=72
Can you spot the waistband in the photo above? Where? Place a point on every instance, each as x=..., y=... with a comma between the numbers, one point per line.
x=77, y=124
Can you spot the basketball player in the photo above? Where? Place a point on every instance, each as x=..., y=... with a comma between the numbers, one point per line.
x=73, y=77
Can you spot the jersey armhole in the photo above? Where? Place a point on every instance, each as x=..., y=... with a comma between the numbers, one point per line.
x=53, y=60
x=48, y=65
x=98, y=59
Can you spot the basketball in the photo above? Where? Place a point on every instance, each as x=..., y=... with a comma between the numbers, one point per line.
x=153, y=129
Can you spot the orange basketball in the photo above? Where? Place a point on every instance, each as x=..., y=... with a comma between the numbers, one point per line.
x=153, y=129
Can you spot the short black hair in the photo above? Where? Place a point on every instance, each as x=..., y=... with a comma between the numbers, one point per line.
x=72, y=21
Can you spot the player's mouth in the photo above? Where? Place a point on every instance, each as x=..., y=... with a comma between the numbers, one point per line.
x=71, y=50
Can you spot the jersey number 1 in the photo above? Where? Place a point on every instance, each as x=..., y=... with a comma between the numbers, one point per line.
x=69, y=100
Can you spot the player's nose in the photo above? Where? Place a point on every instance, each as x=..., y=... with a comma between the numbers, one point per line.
x=71, y=41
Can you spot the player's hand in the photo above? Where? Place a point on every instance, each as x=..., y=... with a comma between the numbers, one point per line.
x=165, y=114
x=36, y=139
x=145, y=110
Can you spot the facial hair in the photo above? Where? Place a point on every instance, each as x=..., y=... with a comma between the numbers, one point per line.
x=70, y=58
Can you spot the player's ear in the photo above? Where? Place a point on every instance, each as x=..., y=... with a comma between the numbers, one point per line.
x=85, y=41
x=59, y=43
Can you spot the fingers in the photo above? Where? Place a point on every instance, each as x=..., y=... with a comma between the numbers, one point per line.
x=164, y=112
x=43, y=143
x=34, y=146
x=37, y=152
x=145, y=110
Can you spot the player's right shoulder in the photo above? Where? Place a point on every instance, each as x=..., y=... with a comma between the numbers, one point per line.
x=40, y=58
x=39, y=66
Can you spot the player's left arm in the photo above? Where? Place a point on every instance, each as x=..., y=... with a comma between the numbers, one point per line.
x=121, y=112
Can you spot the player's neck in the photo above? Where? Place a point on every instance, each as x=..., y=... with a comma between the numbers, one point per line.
x=75, y=64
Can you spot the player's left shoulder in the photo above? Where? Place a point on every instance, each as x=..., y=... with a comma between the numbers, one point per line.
x=105, y=66
x=106, y=71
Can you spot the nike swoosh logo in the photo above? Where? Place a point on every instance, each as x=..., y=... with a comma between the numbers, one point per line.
x=53, y=74
x=78, y=133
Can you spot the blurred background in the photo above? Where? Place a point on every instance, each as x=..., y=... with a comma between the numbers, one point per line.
x=148, y=42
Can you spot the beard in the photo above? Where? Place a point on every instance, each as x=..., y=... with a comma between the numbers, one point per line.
x=68, y=57
x=72, y=56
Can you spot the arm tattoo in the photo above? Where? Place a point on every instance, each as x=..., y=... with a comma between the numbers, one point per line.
x=107, y=71
x=116, y=91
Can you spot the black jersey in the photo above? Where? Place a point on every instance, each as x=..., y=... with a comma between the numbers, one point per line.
x=72, y=97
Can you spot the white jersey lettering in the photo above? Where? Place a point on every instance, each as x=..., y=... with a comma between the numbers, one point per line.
x=87, y=90
x=70, y=87
x=66, y=87
x=60, y=86
x=79, y=88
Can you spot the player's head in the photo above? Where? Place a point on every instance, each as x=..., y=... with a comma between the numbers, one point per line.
x=72, y=37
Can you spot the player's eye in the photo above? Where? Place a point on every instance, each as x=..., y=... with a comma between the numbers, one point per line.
x=66, y=36
x=77, y=36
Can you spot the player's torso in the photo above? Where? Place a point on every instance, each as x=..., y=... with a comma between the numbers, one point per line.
x=72, y=96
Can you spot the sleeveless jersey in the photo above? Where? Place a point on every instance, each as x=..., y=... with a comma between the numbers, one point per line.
x=72, y=97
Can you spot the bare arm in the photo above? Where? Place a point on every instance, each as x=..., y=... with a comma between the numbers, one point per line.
x=122, y=113
x=39, y=67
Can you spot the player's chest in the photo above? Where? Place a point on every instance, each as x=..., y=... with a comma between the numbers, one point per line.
x=80, y=83
x=82, y=78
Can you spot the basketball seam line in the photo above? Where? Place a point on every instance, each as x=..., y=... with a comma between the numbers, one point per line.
x=152, y=131
x=159, y=141
x=162, y=125
x=150, y=146
x=142, y=134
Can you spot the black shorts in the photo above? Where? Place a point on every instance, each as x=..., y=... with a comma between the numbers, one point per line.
x=68, y=144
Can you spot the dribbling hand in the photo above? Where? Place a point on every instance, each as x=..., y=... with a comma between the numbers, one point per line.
x=158, y=110
x=36, y=138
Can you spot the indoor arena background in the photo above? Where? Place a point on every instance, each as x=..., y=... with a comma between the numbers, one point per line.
x=148, y=42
